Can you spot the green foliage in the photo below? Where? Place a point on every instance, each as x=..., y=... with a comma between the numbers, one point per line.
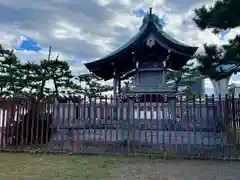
x=191, y=95
x=90, y=85
x=59, y=72
x=33, y=78
x=209, y=61
x=189, y=72
x=11, y=81
x=203, y=18
x=127, y=84
x=28, y=79
x=222, y=15
x=233, y=51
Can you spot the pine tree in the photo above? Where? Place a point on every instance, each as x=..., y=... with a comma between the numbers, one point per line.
x=33, y=78
x=12, y=78
x=60, y=73
x=91, y=85
x=209, y=62
x=224, y=14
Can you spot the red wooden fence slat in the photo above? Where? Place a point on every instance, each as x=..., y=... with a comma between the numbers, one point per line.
x=214, y=123
x=122, y=117
x=17, y=123
x=145, y=118
x=169, y=121
x=89, y=118
x=201, y=119
x=163, y=122
x=207, y=119
x=95, y=120
x=105, y=128
x=70, y=125
x=25, y=105
x=63, y=123
x=117, y=121
x=175, y=123
x=157, y=117
x=49, y=124
x=2, y=128
x=111, y=120
x=42, y=126
x=151, y=119
x=74, y=118
x=80, y=118
x=7, y=132
x=57, y=121
x=128, y=123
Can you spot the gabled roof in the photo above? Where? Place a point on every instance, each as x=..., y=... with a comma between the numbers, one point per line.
x=103, y=67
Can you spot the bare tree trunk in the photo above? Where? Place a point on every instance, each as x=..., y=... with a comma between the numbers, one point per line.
x=221, y=86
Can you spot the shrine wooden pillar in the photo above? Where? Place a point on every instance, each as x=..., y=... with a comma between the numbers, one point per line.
x=115, y=89
x=116, y=81
x=119, y=86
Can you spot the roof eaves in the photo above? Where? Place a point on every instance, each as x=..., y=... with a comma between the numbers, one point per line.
x=118, y=51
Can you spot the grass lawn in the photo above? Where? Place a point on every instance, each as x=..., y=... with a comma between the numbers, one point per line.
x=38, y=167
x=16, y=166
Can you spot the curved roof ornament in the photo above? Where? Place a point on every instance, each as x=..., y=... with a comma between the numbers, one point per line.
x=150, y=17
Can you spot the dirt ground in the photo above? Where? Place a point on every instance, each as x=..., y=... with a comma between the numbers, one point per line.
x=179, y=170
x=16, y=166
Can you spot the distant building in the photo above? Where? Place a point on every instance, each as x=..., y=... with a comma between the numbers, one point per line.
x=234, y=90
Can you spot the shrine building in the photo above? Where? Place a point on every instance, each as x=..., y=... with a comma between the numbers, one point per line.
x=147, y=57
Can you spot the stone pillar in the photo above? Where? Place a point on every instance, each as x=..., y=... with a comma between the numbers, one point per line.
x=92, y=112
x=131, y=111
x=159, y=113
x=172, y=108
x=163, y=77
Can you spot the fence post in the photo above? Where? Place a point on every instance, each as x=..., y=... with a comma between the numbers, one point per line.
x=151, y=119
x=157, y=118
x=215, y=124
x=233, y=118
x=226, y=119
x=2, y=128
x=207, y=119
x=238, y=120
x=194, y=119
x=130, y=122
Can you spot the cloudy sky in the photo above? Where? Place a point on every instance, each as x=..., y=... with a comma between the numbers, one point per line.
x=82, y=31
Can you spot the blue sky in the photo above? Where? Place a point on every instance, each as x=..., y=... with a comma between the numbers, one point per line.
x=82, y=31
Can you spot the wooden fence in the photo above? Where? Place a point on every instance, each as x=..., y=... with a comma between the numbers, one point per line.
x=181, y=126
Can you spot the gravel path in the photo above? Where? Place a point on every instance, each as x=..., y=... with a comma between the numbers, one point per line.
x=178, y=170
